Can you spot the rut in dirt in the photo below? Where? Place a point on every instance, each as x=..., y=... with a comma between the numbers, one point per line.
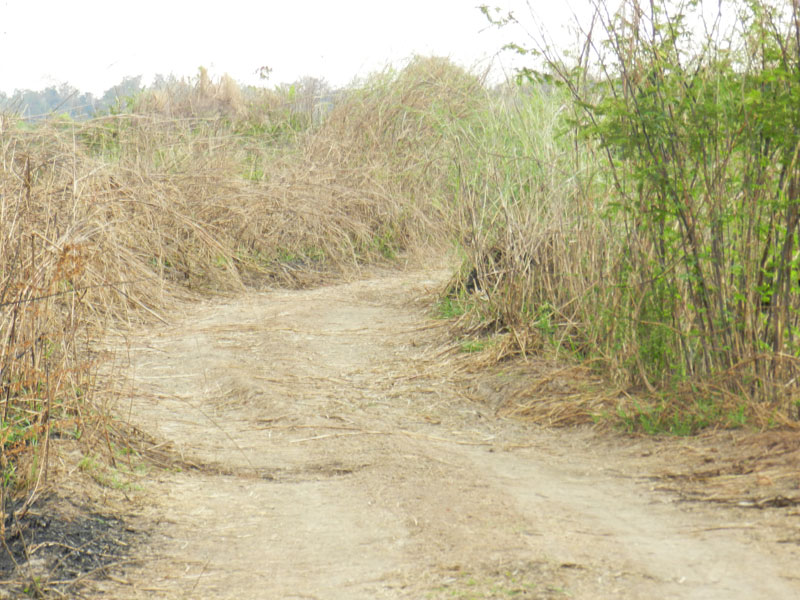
x=333, y=455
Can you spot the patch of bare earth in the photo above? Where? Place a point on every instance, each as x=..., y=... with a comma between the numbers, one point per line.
x=328, y=451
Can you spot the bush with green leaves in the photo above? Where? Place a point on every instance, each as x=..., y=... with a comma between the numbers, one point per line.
x=697, y=207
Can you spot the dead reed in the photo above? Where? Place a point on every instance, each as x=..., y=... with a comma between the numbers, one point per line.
x=204, y=188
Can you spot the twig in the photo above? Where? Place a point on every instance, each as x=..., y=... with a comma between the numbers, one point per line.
x=336, y=435
x=723, y=527
x=88, y=574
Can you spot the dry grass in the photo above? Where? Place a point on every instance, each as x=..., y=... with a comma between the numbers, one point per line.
x=204, y=188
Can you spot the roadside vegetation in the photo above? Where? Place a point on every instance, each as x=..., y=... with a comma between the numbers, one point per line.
x=651, y=230
x=198, y=188
x=634, y=211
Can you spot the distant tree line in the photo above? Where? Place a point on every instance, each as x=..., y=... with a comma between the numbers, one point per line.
x=67, y=100
x=307, y=95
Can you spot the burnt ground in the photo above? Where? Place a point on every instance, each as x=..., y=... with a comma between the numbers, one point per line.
x=57, y=545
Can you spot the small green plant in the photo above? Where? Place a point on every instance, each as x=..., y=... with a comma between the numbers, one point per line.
x=117, y=478
x=88, y=463
x=450, y=307
x=475, y=345
x=385, y=244
x=285, y=255
x=34, y=588
x=9, y=476
x=254, y=169
x=737, y=418
x=670, y=416
x=543, y=320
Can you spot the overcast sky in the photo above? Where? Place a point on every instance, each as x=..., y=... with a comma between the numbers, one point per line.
x=92, y=44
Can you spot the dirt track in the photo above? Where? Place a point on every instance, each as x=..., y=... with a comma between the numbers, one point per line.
x=336, y=458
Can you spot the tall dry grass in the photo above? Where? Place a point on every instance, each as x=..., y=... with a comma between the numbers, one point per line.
x=209, y=190
x=527, y=215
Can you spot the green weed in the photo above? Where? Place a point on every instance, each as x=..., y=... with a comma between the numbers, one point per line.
x=477, y=345
x=668, y=416
x=450, y=307
x=105, y=475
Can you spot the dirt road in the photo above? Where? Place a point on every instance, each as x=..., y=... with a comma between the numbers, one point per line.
x=336, y=458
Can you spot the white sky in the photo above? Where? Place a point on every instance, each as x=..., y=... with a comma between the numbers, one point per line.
x=92, y=44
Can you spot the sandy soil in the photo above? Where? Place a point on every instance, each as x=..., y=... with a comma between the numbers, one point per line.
x=329, y=452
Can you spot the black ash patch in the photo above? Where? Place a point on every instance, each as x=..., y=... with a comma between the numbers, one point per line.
x=57, y=545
